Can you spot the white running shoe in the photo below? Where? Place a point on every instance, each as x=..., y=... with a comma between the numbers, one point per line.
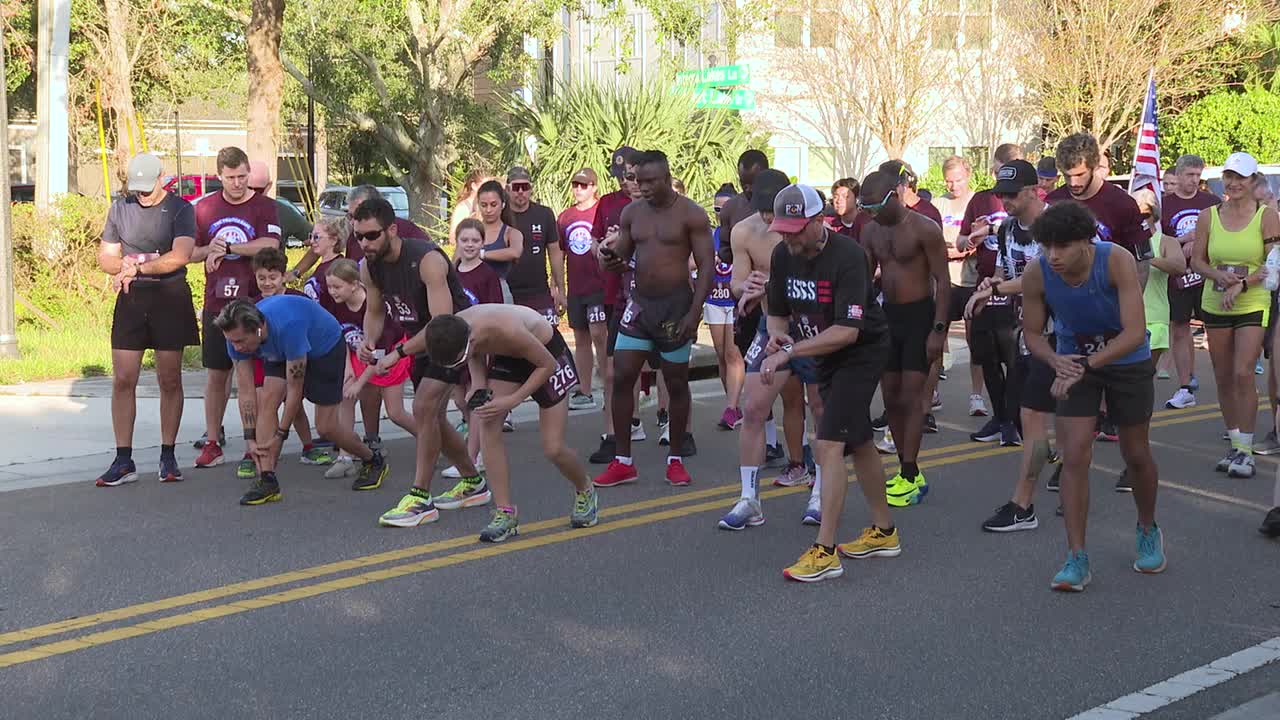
x=812, y=511
x=453, y=472
x=343, y=467
x=1181, y=399
x=936, y=404
x=885, y=444
x=637, y=430
x=1241, y=466
x=978, y=406
x=745, y=513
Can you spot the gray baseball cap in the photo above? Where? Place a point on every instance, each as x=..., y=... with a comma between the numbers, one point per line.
x=144, y=171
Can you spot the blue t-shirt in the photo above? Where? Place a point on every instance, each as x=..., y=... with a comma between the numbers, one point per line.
x=296, y=327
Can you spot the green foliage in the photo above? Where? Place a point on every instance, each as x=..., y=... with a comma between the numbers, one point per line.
x=582, y=124
x=1225, y=122
x=933, y=182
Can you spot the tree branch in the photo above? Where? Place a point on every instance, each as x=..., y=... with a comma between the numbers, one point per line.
x=232, y=13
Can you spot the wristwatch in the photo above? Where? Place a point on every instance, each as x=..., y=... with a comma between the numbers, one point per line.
x=282, y=433
x=787, y=349
x=995, y=289
x=400, y=350
x=939, y=327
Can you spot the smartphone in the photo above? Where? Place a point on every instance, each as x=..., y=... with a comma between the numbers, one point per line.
x=479, y=398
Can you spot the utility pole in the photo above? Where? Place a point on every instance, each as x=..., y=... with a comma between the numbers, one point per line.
x=53, y=41
x=8, y=319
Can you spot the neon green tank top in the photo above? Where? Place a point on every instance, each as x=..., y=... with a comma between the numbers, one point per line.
x=1243, y=252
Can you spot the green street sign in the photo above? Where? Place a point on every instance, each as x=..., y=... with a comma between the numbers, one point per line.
x=714, y=77
x=739, y=99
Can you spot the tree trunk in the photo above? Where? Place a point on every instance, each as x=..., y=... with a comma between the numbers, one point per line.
x=266, y=82
x=117, y=86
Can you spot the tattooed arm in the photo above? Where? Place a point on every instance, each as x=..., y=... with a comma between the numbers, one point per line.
x=248, y=401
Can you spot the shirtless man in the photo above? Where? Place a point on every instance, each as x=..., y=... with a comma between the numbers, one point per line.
x=912, y=257
x=513, y=354
x=663, y=312
x=753, y=247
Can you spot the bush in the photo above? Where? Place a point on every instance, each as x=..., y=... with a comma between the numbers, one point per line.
x=1224, y=122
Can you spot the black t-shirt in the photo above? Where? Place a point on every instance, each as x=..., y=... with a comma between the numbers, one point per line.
x=833, y=288
x=528, y=276
x=148, y=232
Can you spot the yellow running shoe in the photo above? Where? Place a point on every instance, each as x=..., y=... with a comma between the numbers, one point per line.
x=873, y=542
x=814, y=565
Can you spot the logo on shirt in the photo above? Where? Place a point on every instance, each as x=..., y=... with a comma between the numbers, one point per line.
x=1184, y=222
x=353, y=335
x=232, y=231
x=471, y=296
x=854, y=312
x=578, y=237
x=1104, y=232
x=809, y=290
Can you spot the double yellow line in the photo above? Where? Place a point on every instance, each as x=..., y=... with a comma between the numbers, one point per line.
x=688, y=503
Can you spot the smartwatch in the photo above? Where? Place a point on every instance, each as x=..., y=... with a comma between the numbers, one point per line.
x=787, y=349
x=939, y=327
x=282, y=433
x=400, y=350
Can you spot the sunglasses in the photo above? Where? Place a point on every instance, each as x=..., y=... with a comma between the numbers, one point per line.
x=582, y=185
x=629, y=177
x=718, y=208
x=877, y=207
x=521, y=187
x=371, y=235
x=462, y=358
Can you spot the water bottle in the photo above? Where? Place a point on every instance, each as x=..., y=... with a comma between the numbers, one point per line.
x=1273, y=269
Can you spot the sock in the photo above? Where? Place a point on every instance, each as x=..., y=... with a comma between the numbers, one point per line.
x=419, y=492
x=126, y=453
x=750, y=488
x=269, y=476
x=829, y=548
x=624, y=460
x=1246, y=443
x=635, y=422
x=673, y=458
x=770, y=432
x=910, y=470
x=166, y=451
x=1187, y=388
x=307, y=447
x=886, y=531
x=1234, y=435
x=510, y=510
x=816, y=492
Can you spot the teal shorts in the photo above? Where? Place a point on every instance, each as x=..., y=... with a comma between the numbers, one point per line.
x=679, y=356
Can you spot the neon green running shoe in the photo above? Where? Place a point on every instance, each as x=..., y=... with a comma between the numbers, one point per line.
x=586, y=506
x=246, y=470
x=317, y=455
x=503, y=526
x=468, y=492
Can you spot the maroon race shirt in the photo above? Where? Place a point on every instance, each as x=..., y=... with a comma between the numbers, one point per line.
x=217, y=219
x=984, y=205
x=609, y=214
x=481, y=283
x=404, y=229
x=352, y=322
x=929, y=210
x=1119, y=220
x=1178, y=220
x=584, y=275
x=317, y=286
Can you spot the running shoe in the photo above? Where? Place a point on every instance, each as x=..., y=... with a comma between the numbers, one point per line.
x=730, y=419
x=468, y=492
x=616, y=474
x=414, y=509
x=121, y=471
x=873, y=542
x=809, y=462
x=936, y=403
x=901, y=492
x=204, y=439
x=169, y=471
x=1270, y=445
x=371, y=474
x=1181, y=399
x=1107, y=431
x=930, y=424
x=990, y=432
x=774, y=456
x=1226, y=436
x=1011, y=517
x=1055, y=481
x=342, y=467
x=261, y=491
x=1271, y=523
x=886, y=445
x=812, y=511
x=246, y=469
x=1241, y=466
x=881, y=422
x=676, y=473
x=317, y=455
x=461, y=428
x=688, y=448
x=586, y=509
x=502, y=527
x=606, y=452
x=210, y=456
x=1122, y=483
x=508, y=425
x=582, y=401
x=977, y=406
x=637, y=430
x=745, y=513
x=795, y=474
x=942, y=374
x=664, y=426
x=453, y=473
x=1257, y=368
x=1225, y=463
x=814, y=565
x=1151, y=559
x=1194, y=383
x=1074, y=575
x=1009, y=436
x=665, y=438
x=1162, y=375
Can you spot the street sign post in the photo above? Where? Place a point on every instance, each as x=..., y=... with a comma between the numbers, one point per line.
x=720, y=87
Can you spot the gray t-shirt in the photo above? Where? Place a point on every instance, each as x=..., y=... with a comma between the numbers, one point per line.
x=147, y=233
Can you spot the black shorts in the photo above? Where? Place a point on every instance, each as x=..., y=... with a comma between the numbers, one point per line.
x=544, y=304
x=1184, y=304
x=959, y=298
x=424, y=368
x=322, y=384
x=804, y=368
x=654, y=323
x=1232, y=322
x=744, y=329
x=909, y=328
x=556, y=388
x=847, y=392
x=587, y=310
x=213, y=349
x=1032, y=381
x=1129, y=390
x=157, y=315
x=993, y=336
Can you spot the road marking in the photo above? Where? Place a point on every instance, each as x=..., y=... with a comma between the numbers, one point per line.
x=1184, y=685
x=476, y=553
x=1207, y=494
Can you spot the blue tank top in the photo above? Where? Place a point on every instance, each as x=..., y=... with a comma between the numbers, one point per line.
x=500, y=243
x=720, y=294
x=1087, y=317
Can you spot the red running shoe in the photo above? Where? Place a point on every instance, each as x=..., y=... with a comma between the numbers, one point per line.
x=616, y=474
x=210, y=455
x=677, y=475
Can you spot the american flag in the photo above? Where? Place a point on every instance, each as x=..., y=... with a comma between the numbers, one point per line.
x=1146, y=158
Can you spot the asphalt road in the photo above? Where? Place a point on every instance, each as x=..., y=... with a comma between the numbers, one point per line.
x=153, y=601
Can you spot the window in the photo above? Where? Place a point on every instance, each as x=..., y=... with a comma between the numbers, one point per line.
x=939, y=154
x=787, y=159
x=963, y=24
x=979, y=156
x=822, y=166
x=788, y=30
x=822, y=29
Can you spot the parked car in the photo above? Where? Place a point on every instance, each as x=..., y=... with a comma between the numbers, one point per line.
x=193, y=186
x=333, y=200
x=292, y=190
x=295, y=230
x=1211, y=178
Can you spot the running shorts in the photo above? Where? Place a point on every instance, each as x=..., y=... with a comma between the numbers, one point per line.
x=1129, y=391
x=1231, y=322
x=649, y=324
x=745, y=327
x=1032, y=380
x=544, y=304
x=423, y=368
x=322, y=384
x=1184, y=304
x=213, y=349
x=586, y=310
x=909, y=328
x=395, y=376
x=1158, y=336
x=556, y=388
x=959, y=298
x=156, y=315
x=847, y=392
x=805, y=369
x=717, y=314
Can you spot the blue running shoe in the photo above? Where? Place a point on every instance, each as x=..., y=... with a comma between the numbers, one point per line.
x=1074, y=575
x=121, y=472
x=812, y=512
x=745, y=513
x=1151, y=558
x=169, y=471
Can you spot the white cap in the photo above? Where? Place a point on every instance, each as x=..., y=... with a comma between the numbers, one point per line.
x=1241, y=163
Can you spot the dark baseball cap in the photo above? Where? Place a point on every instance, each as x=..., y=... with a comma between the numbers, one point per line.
x=518, y=173
x=621, y=158
x=766, y=187
x=1013, y=176
x=1047, y=167
x=794, y=207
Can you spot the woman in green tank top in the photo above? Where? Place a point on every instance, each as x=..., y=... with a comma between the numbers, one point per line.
x=1168, y=262
x=1230, y=252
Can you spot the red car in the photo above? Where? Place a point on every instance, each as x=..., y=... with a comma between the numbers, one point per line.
x=193, y=186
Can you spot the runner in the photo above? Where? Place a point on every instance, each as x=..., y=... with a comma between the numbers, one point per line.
x=482, y=285
x=465, y=207
x=298, y=340
x=586, y=307
x=844, y=201
x=513, y=354
x=326, y=238
x=963, y=265
x=1180, y=209
x=528, y=275
x=355, y=198
x=663, y=311
x=1235, y=305
x=750, y=164
x=1168, y=263
x=504, y=244
x=822, y=307
x=1047, y=172
x=146, y=244
x=907, y=189
x=912, y=258
x=718, y=314
x=416, y=280
x=1092, y=290
x=231, y=227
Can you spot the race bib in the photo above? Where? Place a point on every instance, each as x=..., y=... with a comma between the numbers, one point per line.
x=721, y=293
x=807, y=327
x=1189, y=280
x=550, y=315
x=228, y=288
x=1089, y=344
x=999, y=301
x=1237, y=270
x=596, y=314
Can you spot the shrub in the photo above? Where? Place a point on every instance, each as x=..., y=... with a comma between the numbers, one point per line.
x=1224, y=122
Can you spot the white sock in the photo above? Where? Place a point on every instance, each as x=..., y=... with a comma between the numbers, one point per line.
x=750, y=488
x=816, y=492
x=770, y=433
x=623, y=460
x=1246, y=442
x=1234, y=435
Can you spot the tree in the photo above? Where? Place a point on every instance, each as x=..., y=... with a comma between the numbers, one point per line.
x=1225, y=122
x=266, y=80
x=1086, y=61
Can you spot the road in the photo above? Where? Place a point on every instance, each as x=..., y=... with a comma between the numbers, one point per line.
x=153, y=601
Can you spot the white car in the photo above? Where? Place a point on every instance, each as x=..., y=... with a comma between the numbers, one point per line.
x=333, y=200
x=1212, y=178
